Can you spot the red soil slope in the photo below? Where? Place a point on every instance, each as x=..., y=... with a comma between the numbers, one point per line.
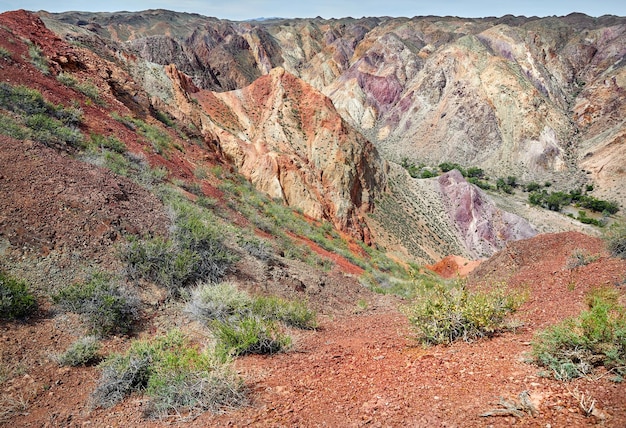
x=363, y=369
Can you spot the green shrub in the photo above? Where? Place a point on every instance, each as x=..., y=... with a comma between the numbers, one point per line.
x=21, y=99
x=580, y=258
x=449, y=166
x=582, y=217
x=196, y=252
x=82, y=352
x=249, y=336
x=597, y=337
x=504, y=185
x=10, y=127
x=67, y=80
x=556, y=200
x=480, y=183
x=174, y=374
x=426, y=173
x=225, y=303
x=164, y=118
x=86, y=88
x=51, y=131
x=110, y=143
x=198, y=232
x=160, y=140
x=475, y=172
x=532, y=187
x=91, y=91
x=37, y=57
x=222, y=302
x=106, y=307
x=15, y=299
x=616, y=240
x=293, y=313
x=159, y=260
x=5, y=54
x=413, y=170
x=597, y=205
x=445, y=314
x=117, y=163
x=39, y=119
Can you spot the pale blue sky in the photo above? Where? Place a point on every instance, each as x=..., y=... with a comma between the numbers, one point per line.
x=247, y=9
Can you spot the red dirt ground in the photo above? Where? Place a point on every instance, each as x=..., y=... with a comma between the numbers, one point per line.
x=365, y=369
x=453, y=266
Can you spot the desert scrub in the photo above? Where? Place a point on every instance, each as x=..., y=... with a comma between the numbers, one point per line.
x=34, y=117
x=86, y=88
x=386, y=276
x=597, y=337
x=5, y=54
x=111, y=153
x=243, y=324
x=445, y=314
x=15, y=299
x=37, y=58
x=176, y=375
x=249, y=336
x=196, y=252
x=106, y=306
x=82, y=352
x=615, y=239
x=580, y=258
x=109, y=142
x=225, y=303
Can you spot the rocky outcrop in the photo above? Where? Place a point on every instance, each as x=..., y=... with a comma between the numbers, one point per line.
x=290, y=142
x=481, y=226
x=429, y=219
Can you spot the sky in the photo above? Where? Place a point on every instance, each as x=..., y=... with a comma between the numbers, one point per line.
x=250, y=9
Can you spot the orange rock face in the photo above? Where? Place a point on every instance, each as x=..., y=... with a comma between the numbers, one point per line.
x=289, y=141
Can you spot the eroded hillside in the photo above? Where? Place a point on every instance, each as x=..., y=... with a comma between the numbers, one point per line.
x=539, y=98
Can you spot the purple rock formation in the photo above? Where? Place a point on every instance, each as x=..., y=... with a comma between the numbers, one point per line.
x=482, y=227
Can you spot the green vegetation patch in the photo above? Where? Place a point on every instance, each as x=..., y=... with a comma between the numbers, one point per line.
x=597, y=337
x=37, y=58
x=243, y=324
x=106, y=306
x=35, y=118
x=196, y=252
x=249, y=336
x=224, y=302
x=615, y=239
x=443, y=314
x=161, y=141
x=82, y=352
x=177, y=376
x=5, y=54
x=86, y=88
x=580, y=258
x=556, y=200
x=15, y=299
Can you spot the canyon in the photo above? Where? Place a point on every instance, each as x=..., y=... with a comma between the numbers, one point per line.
x=295, y=138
